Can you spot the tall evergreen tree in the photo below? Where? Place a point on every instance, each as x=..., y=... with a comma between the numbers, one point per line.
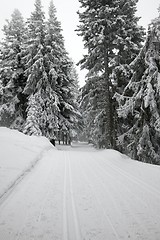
x=111, y=40
x=75, y=114
x=139, y=105
x=12, y=100
x=129, y=34
x=34, y=55
x=49, y=82
x=55, y=52
x=61, y=67
x=93, y=108
x=40, y=79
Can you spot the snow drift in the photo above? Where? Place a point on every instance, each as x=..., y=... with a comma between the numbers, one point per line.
x=18, y=154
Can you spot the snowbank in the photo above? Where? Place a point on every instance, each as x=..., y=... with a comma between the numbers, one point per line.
x=18, y=153
x=145, y=172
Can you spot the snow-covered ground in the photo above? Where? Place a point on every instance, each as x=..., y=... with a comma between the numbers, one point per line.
x=18, y=153
x=75, y=193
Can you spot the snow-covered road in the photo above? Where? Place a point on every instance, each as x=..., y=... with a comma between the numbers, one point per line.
x=81, y=194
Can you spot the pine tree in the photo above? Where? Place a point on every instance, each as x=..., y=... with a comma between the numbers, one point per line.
x=13, y=101
x=34, y=115
x=139, y=104
x=55, y=52
x=129, y=34
x=40, y=78
x=96, y=28
x=61, y=67
x=69, y=117
x=93, y=105
x=34, y=55
x=49, y=80
x=108, y=36
x=128, y=42
x=75, y=114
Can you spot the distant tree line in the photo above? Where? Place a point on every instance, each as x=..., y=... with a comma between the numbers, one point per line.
x=38, y=80
x=120, y=101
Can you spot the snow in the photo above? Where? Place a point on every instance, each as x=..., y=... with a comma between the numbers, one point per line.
x=75, y=192
x=18, y=153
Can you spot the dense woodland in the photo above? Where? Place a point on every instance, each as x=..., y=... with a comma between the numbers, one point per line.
x=119, y=105
x=120, y=100
x=38, y=80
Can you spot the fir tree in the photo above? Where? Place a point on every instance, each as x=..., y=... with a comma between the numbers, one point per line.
x=40, y=78
x=48, y=75
x=96, y=31
x=129, y=34
x=92, y=105
x=107, y=34
x=75, y=114
x=13, y=101
x=34, y=55
x=139, y=104
x=61, y=67
x=34, y=115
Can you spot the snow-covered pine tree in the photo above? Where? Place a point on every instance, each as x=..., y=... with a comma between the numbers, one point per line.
x=129, y=34
x=54, y=54
x=41, y=77
x=93, y=105
x=111, y=40
x=34, y=112
x=59, y=65
x=69, y=117
x=34, y=51
x=139, y=105
x=54, y=40
x=34, y=66
x=95, y=28
x=128, y=42
x=75, y=115
x=12, y=99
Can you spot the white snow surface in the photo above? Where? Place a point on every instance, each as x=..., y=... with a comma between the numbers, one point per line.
x=18, y=153
x=74, y=193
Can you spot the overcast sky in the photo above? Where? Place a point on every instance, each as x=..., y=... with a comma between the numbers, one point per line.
x=66, y=13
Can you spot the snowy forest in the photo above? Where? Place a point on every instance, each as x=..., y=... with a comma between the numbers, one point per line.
x=118, y=107
x=38, y=80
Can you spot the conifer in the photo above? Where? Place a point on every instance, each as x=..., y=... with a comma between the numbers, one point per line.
x=12, y=100
x=111, y=41
x=139, y=104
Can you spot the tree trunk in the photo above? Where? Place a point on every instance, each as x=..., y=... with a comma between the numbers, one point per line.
x=108, y=129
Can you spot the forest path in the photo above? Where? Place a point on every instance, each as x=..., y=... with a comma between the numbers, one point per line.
x=78, y=193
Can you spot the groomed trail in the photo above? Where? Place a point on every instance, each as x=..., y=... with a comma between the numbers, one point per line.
x=78, y=193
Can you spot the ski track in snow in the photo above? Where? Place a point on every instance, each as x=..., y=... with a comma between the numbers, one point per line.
x=71, y=228
x=81, y=194
x=65, y=232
